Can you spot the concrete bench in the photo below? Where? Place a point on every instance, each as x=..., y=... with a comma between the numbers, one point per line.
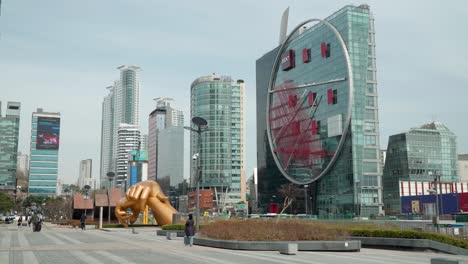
x=447, y=261
x=288, y=249
x=171, y=235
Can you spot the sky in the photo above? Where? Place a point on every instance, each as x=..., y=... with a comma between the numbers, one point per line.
x=61, y=55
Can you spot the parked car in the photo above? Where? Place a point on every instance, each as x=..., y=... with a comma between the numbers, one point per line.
x=9, y=220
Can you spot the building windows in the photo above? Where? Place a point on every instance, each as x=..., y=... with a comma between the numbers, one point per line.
x=311, y=98
x=306, y=57
x=332, y=95
x=325, y=49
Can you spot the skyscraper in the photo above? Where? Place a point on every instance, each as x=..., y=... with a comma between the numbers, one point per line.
x=44, y=156
x=165, y=116
x=220, y=100
x=86, y=177
x=128, y=139
x=9, y=134
x=120, y=106
x=353, y=185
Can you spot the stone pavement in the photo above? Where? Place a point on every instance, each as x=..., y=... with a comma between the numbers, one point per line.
x=66, y=245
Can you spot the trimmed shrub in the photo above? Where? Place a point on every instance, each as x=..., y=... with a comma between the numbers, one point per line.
x=173, y=227
x=271, y=230
x=396, y=233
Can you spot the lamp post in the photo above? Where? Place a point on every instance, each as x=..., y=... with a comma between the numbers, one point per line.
x=110, y=177
x=305, y=197
x=202, y=125
x=86, y=197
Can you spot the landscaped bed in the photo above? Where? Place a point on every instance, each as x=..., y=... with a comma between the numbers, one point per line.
x=306, y=230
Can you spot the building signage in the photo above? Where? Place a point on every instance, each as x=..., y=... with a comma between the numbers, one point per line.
x=288, y=60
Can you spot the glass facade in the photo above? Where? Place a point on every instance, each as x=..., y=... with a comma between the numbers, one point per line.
x=44, y=161
x=9, y=133
x=418, y=155
x=120, y=106
x=220, y=100
x=353, y=185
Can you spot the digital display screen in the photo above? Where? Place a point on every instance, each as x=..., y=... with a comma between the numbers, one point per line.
x=48, y=133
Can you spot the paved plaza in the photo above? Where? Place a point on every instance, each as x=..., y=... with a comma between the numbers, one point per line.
x=66, y=245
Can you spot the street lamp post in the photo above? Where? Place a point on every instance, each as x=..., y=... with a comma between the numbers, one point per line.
x=305, y=197
x=86, y=197
x=202, y=125
x=110, y=177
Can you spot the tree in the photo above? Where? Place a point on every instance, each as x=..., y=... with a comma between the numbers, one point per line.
x=6, y=204
x=38, y=200
x=289, y=192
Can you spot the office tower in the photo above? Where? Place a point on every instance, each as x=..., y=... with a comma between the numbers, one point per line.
x=165, y=116
x=44, y=156
x=128, y=139
x=463, y=167
x=144, y=142
x=352, y=186
x=421, y=154
x=86, y=176
x=120, y=106
x=23, y=163
x=171, y=160
x=220, y=100
x=9, y=134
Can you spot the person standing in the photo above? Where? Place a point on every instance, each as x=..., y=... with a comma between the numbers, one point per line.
x=20, y=221
x=189, y=231
x=83, y=222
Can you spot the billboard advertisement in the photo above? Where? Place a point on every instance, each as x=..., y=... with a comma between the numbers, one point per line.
x=48, y=133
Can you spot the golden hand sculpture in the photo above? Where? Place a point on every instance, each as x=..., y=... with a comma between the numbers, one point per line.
x=142, y=194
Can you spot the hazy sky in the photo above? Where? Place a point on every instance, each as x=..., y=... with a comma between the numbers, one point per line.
x=61, y=55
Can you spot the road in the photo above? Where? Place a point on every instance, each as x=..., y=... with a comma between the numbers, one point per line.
x=66, y=245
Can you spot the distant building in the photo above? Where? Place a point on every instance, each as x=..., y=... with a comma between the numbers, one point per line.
x=128, y=139
x=420, y=154
x=9, y=135
x=171, y=162
x=23, y=163
x=221, y=101
x=166, y=136
x=137, y=167
x=86, y=177
x=463, y=167
x=120, y=106
x=43, y=164
x=252, y=187
x=144, y=142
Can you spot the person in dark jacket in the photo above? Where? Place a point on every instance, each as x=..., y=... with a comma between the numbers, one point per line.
x=189, y=231
x=83, y=222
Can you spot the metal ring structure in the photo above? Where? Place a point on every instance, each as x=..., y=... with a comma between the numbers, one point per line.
x=350, y=99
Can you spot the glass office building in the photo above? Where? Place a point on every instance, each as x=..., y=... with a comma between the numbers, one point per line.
x=220, y=100
x=420, y=154
x=44, y=156
x=352, y=187
x=9, y=133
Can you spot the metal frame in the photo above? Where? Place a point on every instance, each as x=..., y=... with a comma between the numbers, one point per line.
x=350, y=99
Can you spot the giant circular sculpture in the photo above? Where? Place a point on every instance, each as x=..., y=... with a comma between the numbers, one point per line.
x=309, y=101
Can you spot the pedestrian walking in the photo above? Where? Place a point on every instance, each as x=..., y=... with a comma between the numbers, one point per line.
x=29, y=221
x=20, y=221
x=83, y=222
x=189, y=231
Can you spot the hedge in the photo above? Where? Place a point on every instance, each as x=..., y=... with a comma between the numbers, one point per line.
x=396, y=233
x=178, y=227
